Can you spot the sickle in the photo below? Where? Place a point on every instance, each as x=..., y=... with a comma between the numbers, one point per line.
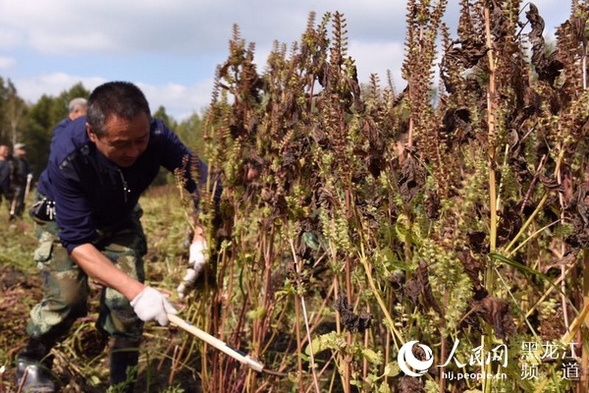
x=222, y=346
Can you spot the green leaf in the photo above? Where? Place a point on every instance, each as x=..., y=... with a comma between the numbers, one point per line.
x=392, y=369
x=311, y=240
x=372, y=356
x=256, y=314
x=524, y=268
x=319, y=344
x=331, y=340
x=401, y=228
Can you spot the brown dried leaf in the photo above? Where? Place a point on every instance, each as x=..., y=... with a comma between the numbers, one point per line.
x=410, y=385
x=577, y=213
x=411, y=180
x=550, y=183
x=549, y=66
x=352, y=321
x=474, y=269
x=419, y=288
x=495, y=312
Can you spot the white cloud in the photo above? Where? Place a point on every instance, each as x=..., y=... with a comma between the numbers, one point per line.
x=378, y=58
x=62, y=44
x=7, y=62
x=32, y=88
x=181, y=26
x=180, y=101
x=9, y=38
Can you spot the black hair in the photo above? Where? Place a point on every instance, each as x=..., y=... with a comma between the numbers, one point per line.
x=120, y=99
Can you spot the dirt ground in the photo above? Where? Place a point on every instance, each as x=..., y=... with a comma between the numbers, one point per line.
x=81, y=361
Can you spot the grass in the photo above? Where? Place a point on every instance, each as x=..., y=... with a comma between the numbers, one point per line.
x=81, y=359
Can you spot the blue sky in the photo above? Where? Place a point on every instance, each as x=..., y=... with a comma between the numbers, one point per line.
x=171, y=48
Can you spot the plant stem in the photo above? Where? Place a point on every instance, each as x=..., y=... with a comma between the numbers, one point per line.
x=305, y=316
x=491, y=136
x=395, y=333
x=584, y=383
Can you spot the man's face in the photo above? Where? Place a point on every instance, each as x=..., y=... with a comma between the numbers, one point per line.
x=4, y=151
x=78, y=112
x=124, y=141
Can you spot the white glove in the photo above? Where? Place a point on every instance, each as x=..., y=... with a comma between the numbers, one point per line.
x=151, y=305
x=197, y=260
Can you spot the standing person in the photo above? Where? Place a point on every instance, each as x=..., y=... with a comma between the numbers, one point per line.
x=76, y=108
x=89, y=219
x=21, y=178
x=6, y=176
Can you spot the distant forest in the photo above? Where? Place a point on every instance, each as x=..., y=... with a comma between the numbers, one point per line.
x=33, y=123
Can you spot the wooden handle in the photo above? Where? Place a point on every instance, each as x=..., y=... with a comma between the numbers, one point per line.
x=215, y=342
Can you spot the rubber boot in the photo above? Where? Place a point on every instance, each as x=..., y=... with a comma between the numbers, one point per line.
x=33, y=368
x=124, y=357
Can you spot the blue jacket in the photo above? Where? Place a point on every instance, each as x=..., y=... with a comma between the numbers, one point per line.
x=92, y=193
x=60, y=127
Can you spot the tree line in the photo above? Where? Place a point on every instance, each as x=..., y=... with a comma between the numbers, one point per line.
x=33, y=123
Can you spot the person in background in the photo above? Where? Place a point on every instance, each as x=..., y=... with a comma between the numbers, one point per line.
x=90, y=228
x=21, y=180
x=7, y=169
x=76, y=108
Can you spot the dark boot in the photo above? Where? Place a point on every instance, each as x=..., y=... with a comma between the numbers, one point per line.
x=124, y=357
x=33, y=368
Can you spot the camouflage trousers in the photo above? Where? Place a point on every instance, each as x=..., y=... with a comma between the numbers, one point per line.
x=66, y=286
x=8, y=196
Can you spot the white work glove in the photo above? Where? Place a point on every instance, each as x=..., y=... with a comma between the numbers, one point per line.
x=151, y=305
x=197, y=260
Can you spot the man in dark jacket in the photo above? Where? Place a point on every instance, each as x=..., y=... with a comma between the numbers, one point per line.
x=7, y=169
x=21, y=180
x=98, y=167
x=77, y=107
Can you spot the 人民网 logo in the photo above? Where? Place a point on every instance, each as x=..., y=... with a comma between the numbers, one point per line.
x=412, y=366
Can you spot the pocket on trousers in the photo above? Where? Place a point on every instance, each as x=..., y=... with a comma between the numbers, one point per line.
x=43, y=211
x=42, y=254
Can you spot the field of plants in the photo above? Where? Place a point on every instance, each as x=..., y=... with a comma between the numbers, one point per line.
x=373, y=240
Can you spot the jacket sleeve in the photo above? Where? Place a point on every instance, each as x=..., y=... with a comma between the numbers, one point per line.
x=181, y=161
